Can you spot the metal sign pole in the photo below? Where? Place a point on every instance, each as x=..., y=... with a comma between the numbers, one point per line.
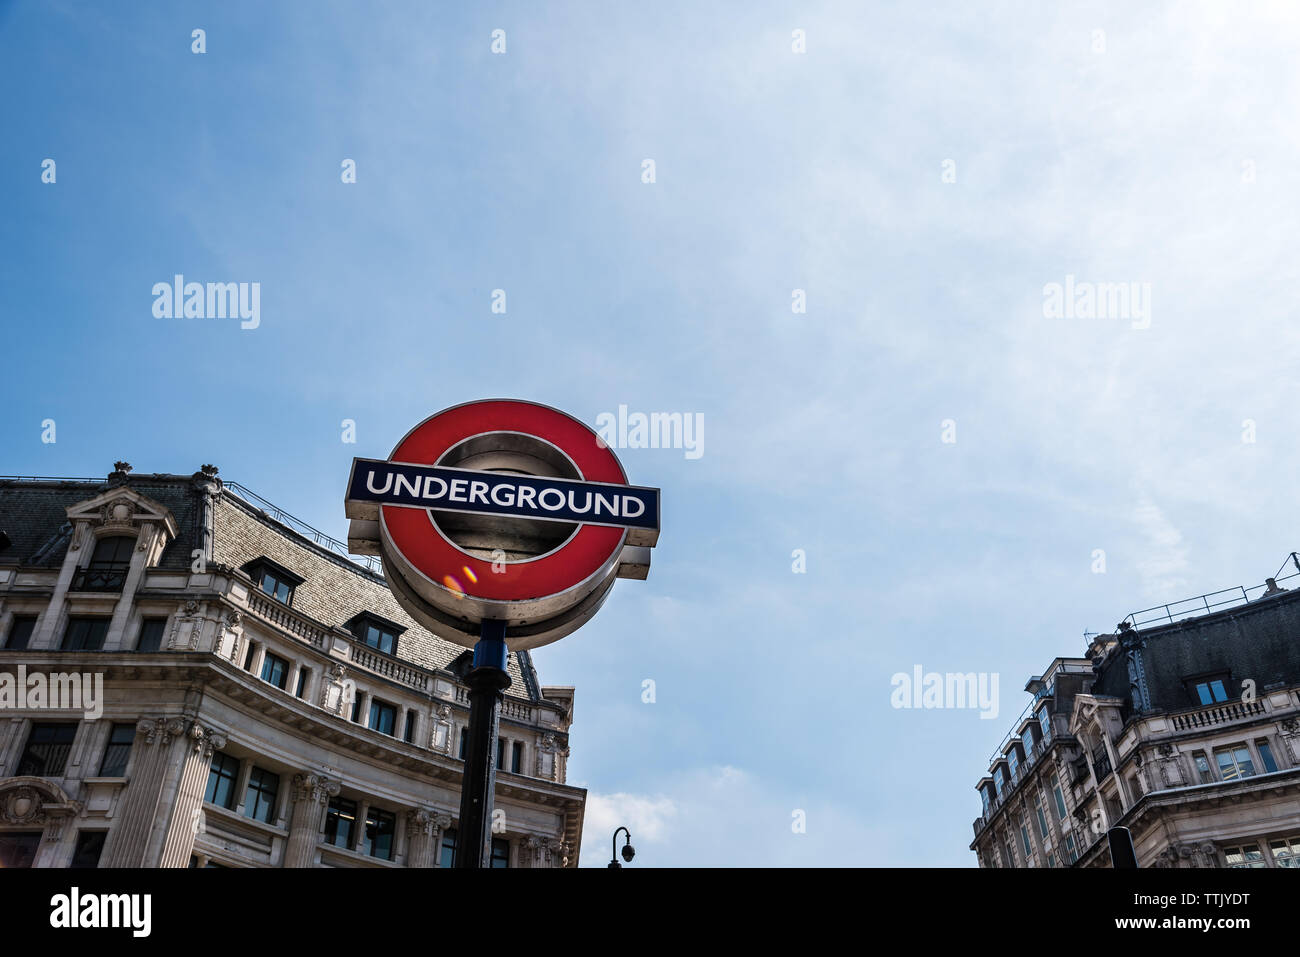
x=487, y=679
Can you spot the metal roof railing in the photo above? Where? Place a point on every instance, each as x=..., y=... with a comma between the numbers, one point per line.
x=370, y=563
x=1201, y=604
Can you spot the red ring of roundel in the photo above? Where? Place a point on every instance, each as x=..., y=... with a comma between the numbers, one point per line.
x=423, y=547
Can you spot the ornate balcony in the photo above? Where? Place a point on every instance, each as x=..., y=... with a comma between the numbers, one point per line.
x=110, y=579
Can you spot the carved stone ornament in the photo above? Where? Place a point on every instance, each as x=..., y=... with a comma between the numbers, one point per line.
x=22, y=805
x=160, y=730
x=313, y=787
x=206, y=740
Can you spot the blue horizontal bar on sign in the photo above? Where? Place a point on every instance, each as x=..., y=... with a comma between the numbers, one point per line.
x=380, y=482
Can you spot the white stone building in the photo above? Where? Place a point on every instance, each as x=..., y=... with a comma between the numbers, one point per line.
x=1183, y=726
x=265, y=701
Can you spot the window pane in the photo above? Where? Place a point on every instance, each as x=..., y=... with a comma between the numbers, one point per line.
x=1216, y=688
x=20, y=632
x=85, y=634
x=18, y=849
x=500, y=852
x=118, y=751
x=151, y=634
x=48, y=747
x=380, y=826
x=1244, y=764
x=259, y=800
x=383, y=717
x=1266, y=756
x=1203, y=692
x=89, y=846
x=448, y=847
x=339, y=821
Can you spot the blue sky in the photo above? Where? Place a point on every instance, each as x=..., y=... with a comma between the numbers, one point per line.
x=1162, y=151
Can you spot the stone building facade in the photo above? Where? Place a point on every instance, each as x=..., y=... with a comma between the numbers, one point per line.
x=1185, y=730
x=265, y=701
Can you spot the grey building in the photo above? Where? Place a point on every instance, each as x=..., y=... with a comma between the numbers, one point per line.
x=1183, y=726
x=262, y=700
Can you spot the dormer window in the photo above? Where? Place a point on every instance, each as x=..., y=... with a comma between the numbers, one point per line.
x=1208, y=689
x=379, y=633
x=274, y=579
x=109, y=564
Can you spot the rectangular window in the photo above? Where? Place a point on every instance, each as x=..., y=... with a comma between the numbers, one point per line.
x=1024, y=839
x=501, y=753
x=90, y=844
x=221, y=780
x=1286, y=851
x=259, y=799
x=408, y=733
x=1013, y=762
x=1266, y=756
x=48, y=747
x=517, y=757
x=277, y=589
x=151, y=634
x=448, y=848
x=380, y=639
x=464, y=742
x=339, y=821
x=249, y=656
x=383, y=717
x=85, y=634
x=1011, y=857
x=1203, y=770
x=1070, y=848
x=1234, y=763
x=500, y=852
x=275, y=670
x=1045, y=722
x=356, y=709
x=1042, y=818
x=1211, y=691
x=20, y=632
x=1248, y=855
x=118, y=751
x=380, y=828
x=302, y=682
x=18, y=848
x=1058, y=798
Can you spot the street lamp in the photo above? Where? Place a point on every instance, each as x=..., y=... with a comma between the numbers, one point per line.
x=629, y=851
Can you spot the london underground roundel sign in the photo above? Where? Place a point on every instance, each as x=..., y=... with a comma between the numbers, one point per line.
x=502, y=509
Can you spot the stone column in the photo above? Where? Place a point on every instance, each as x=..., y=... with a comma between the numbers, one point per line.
x=128, y=840
x=420, y=846
x=187, y=811
x=311, y=793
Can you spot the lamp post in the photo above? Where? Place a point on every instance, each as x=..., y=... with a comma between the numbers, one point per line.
x=628, y=850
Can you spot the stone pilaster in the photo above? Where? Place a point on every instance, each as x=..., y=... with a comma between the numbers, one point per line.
x=187, y=811
x=311, y=793
x=128, y=840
